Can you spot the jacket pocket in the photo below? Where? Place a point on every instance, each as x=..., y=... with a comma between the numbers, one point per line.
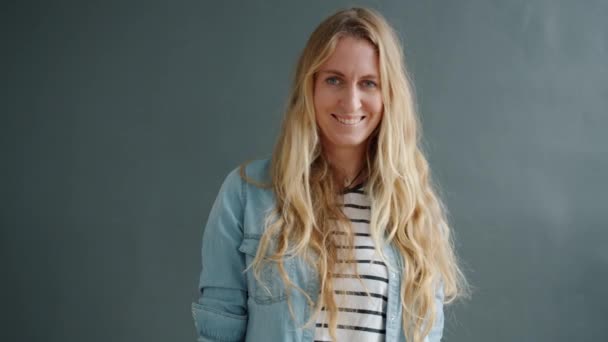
x=270, y=288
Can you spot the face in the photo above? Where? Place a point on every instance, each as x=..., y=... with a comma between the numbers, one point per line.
x=347, y=97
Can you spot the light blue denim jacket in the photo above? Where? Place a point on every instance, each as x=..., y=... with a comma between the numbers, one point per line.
x=232, y=305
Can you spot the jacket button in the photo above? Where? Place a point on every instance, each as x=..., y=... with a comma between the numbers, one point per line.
x=392, y=317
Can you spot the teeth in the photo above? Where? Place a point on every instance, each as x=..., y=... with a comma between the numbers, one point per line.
x=348, y=121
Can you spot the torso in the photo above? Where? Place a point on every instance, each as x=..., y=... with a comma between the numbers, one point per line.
x=361, y=317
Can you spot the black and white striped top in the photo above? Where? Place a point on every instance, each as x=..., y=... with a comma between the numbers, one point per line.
x=360, y=317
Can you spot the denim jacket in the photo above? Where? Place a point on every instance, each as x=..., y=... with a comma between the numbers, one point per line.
x=232, y=305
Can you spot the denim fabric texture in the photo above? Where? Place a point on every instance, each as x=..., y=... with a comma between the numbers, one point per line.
x=234, y=306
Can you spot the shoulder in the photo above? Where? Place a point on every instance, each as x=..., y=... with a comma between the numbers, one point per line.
x=258, y=197
x=257, y=170
x=254, y=170
x=246, y=181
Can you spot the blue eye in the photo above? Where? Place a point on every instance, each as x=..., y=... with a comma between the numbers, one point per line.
x=332, y=80
x=370, y=84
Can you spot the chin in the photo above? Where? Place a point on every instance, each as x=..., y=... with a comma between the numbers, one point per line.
x=341, y=143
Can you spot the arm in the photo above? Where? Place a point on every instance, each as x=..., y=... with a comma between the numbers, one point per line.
x=221, y=310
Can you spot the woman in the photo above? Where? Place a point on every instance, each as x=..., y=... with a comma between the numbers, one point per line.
x=340, y=236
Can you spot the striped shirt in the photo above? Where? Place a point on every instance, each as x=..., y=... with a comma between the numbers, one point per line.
x=360, y=317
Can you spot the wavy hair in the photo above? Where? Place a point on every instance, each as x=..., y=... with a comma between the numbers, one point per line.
x=405, y=208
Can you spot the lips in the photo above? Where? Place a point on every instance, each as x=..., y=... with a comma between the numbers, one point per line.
x=348, y=120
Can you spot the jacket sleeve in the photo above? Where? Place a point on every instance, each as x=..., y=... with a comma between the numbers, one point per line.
x=220, y=314
x=437, y=329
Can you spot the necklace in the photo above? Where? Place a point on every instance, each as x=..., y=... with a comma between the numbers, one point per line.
x=350, y=183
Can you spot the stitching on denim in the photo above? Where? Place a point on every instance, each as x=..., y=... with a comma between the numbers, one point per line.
x=259, y=296
x=221, y=313
x=211, y=334
x=278, y=286
x=243, y=190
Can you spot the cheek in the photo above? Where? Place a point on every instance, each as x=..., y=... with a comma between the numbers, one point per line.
x=317, y=98
x=322, y=100
x=374, y=105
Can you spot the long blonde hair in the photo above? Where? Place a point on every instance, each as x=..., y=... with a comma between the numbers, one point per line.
x=405, y=208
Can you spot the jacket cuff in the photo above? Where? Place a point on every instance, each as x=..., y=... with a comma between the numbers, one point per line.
x=214, y=325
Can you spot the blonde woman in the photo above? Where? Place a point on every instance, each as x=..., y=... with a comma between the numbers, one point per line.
x=340, y=236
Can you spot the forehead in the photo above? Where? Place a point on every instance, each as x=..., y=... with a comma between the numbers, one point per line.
x=353, y=56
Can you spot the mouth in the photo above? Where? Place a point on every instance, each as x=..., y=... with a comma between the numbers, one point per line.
x=348, y=121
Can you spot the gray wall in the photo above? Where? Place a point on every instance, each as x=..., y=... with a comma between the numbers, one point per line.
x=120, y=120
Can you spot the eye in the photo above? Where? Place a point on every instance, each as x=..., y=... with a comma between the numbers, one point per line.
x=369, y=84
x=332, y=80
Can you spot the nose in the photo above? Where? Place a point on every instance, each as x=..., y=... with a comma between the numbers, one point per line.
x=350, y=101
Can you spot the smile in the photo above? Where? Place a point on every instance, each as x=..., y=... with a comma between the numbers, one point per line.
x=348, y=122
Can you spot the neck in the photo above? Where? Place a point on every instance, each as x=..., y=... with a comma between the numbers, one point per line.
x=348, y=163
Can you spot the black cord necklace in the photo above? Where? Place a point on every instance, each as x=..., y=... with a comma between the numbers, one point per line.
x=356, y=177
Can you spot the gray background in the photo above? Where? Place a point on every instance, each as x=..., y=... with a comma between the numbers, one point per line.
x=120, y=120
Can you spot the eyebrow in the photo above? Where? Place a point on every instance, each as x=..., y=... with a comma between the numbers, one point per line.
x=332, y=71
